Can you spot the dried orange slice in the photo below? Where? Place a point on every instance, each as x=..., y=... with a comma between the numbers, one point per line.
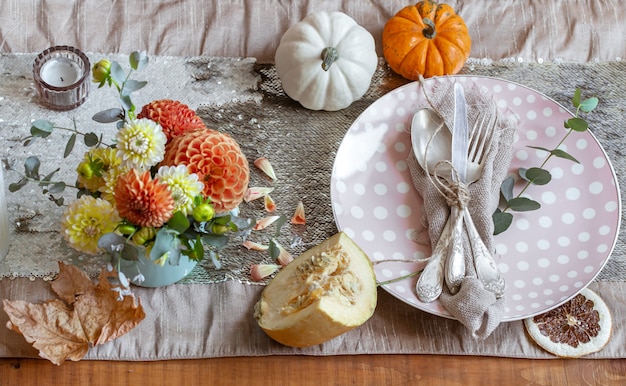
x=323, y=293
x=578, y=327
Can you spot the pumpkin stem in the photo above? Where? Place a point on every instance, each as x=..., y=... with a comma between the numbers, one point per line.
x=329, y=56
x=429, y=32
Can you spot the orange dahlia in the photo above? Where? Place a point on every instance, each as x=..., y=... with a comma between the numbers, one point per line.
x=142, y=200
x=175, y=118
x=217, y=160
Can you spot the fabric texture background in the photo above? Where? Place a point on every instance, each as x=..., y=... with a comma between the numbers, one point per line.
x=530, y=31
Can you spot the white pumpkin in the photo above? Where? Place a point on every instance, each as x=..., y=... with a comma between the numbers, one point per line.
x=326, y=61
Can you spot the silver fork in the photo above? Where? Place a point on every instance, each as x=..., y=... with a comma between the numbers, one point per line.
x=481, y=138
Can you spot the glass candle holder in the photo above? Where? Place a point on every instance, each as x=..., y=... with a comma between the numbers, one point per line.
x=61, y=75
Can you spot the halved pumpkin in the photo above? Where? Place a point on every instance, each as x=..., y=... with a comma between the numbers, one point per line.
x=327, y=291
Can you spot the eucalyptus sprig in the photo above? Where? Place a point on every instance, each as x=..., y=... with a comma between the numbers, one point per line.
x=502, y=218
x=105, y=73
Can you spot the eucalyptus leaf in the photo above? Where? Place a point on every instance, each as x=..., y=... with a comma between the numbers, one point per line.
x=108, y=115
x=506, y=188
x=576, y=97
x=540, y=148
x=501, y=221
x=273, y=249
x=178, y=222
x=589, y=104
x=577, y=124
x=57, y=187
x=538, y=176
x=91, y=139
x=138, y=60
x=523, y=204
x=117, y=73
x=69, y=146
x=522, y=173
x=563, y=154
x=50, y=175
x=41, y=128
x=165, y=240
x=126, y=102
x=133, y=85
x=111, y=242
x=279, y=224
x=14, y=187
x=214, y=240
x=31, y=167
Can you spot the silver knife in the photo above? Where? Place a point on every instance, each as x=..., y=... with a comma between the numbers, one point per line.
x=455, y=262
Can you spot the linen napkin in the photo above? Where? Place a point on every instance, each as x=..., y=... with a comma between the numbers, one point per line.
x=474, y=306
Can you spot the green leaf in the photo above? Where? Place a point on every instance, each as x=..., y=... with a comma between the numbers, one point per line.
x=108, y=116
x=540, y=148
x=178, y=222
x=274, y=250
x=41, y=128
x=501, y=221
x=91, y=139
x=48, y=178
x=563, y=154
x=133, y=85
x=538, y=176
x=164, y=242
x=576, y=124
x=57, y=187
x=14, y=187
x=127, y=104
x=506, y=188
x=576, y=98
x=69, y=146
x=138, y=60
x=523, y=204
x=217, y=241
x=31, y=167
x=589, y=104
x=117, y=73
x=279, y=224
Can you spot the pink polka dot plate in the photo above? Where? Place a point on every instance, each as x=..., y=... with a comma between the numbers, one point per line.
x=546, y=256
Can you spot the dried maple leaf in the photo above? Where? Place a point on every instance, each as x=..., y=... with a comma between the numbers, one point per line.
x=87, y=315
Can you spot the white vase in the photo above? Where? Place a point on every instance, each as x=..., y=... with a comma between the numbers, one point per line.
x=155, y=275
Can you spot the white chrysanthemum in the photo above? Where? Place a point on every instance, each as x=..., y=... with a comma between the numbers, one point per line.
x=183, y=185
x=141, y=144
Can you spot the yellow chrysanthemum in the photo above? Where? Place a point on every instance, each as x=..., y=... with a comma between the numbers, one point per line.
x=86, y=220
x=107, y=190
x=183, y=185
x=108, y=159
x=141, y=144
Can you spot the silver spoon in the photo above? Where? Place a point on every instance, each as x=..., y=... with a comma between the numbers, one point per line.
x=430, y=139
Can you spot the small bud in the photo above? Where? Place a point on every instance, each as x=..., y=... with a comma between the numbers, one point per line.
x=203, y=212
x=85, y=170
x=144, y=235
x=101, y=71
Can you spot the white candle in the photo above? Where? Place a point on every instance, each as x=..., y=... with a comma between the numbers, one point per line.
x=60, y=72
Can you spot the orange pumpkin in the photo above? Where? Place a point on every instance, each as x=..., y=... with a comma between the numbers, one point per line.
x=426, y=38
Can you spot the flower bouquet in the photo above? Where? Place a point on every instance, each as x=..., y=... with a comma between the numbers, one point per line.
x=162, y=196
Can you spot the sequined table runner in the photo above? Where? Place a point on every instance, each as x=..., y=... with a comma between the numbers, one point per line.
x=210, y=314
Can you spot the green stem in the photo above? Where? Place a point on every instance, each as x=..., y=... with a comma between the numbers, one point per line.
x=381, y=283
x=329, y=56
x=429, y=32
